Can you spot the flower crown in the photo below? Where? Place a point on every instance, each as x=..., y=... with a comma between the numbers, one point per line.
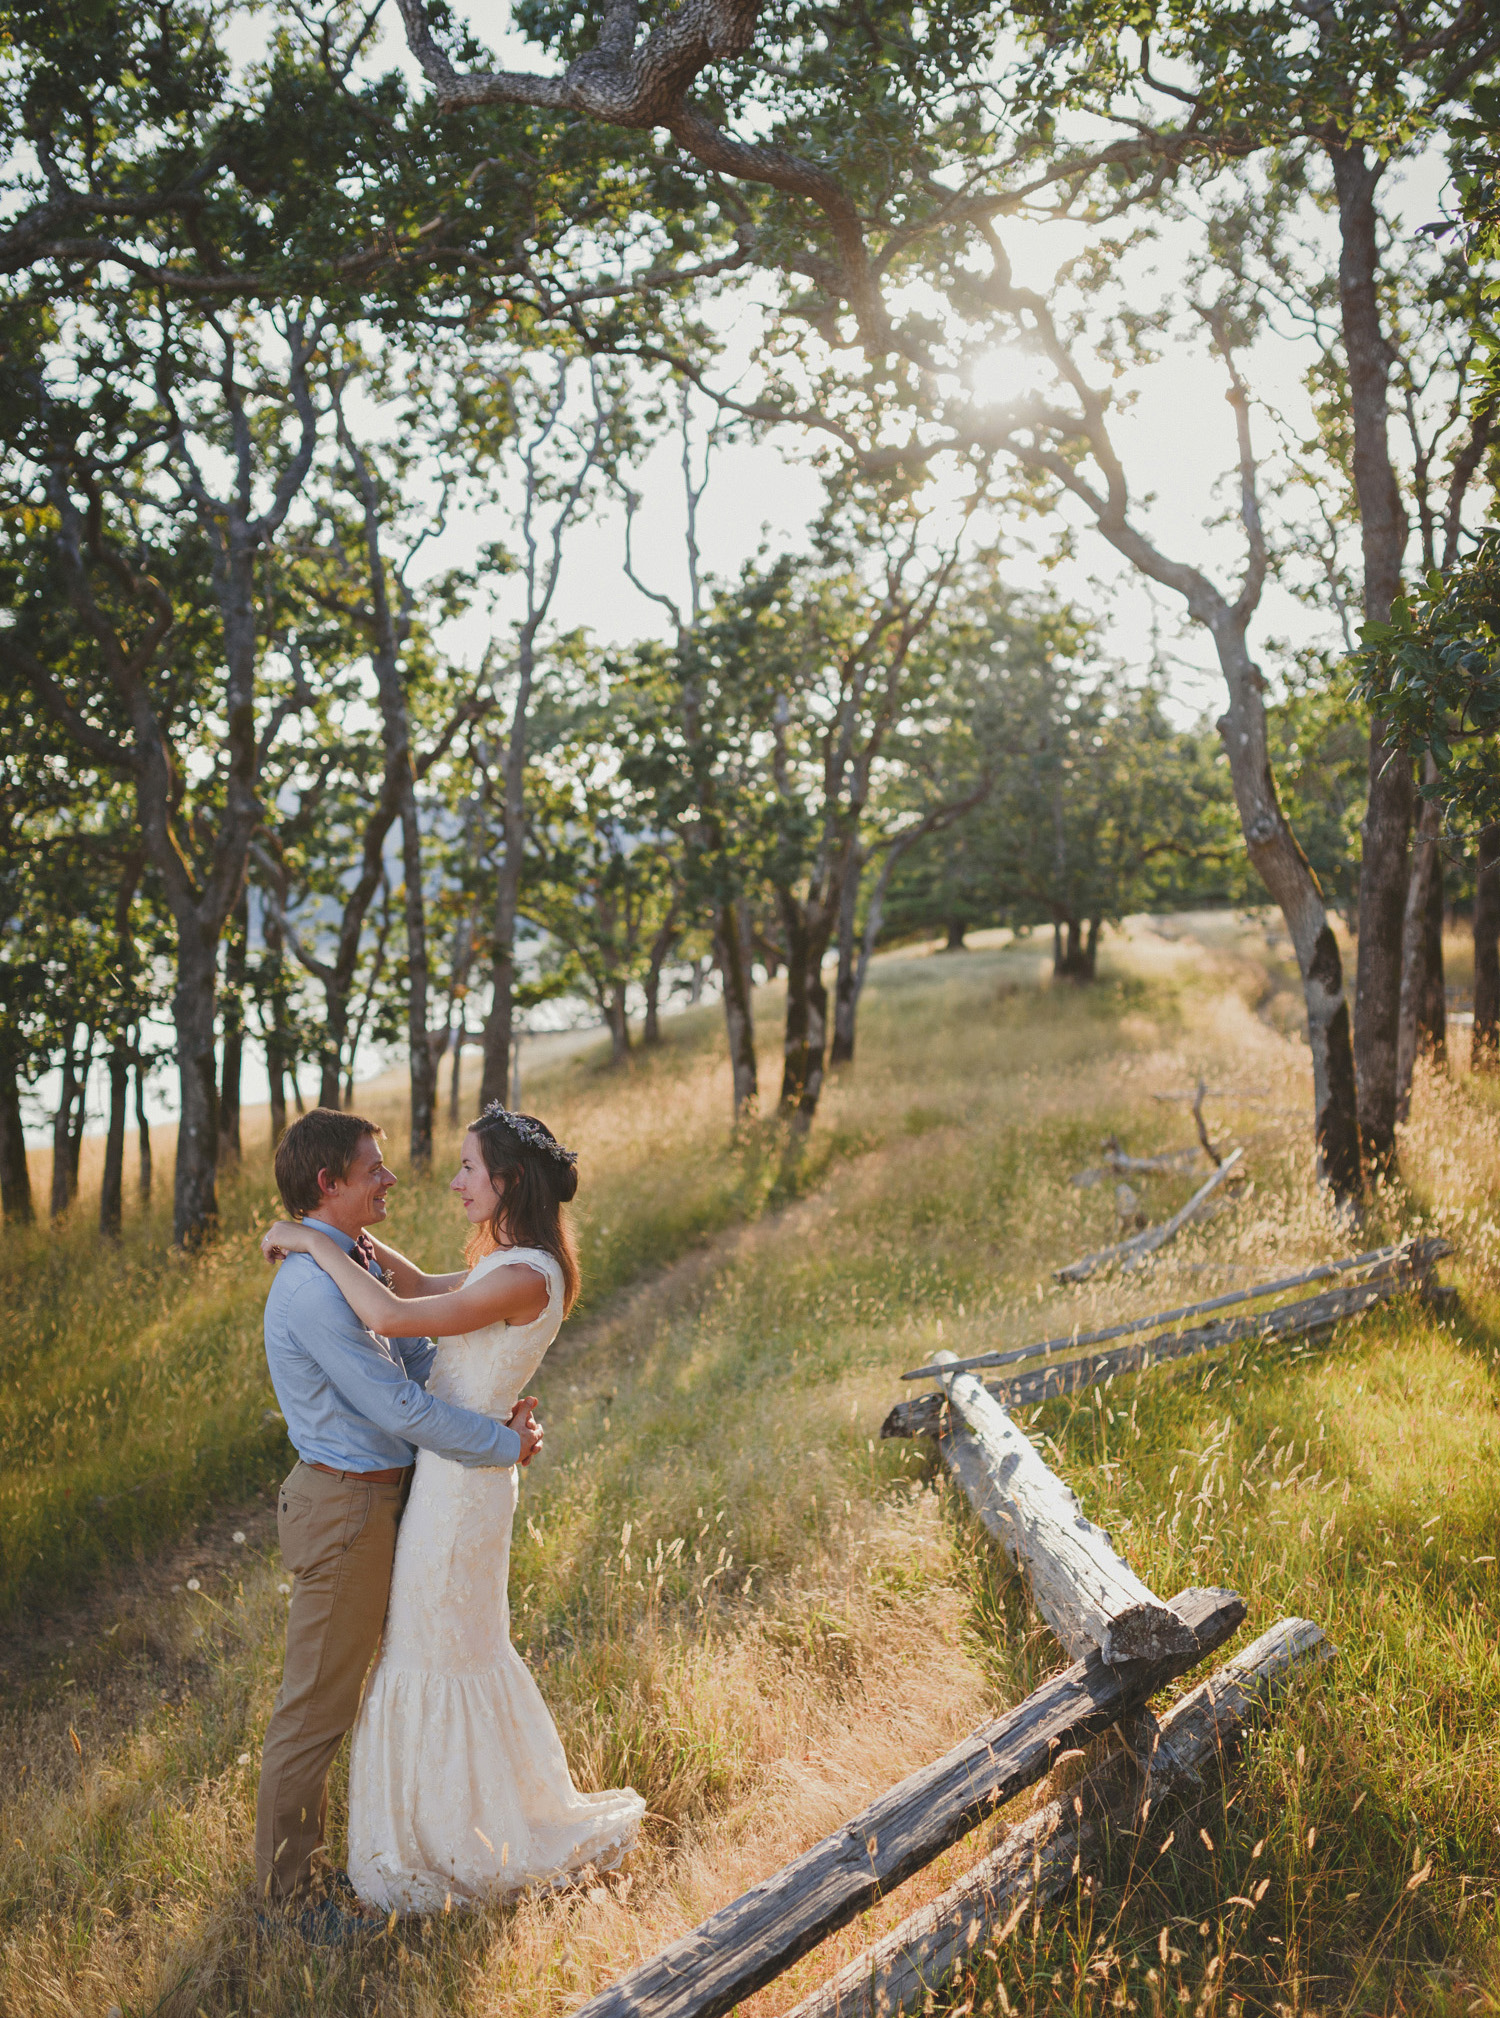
x=532, y=1133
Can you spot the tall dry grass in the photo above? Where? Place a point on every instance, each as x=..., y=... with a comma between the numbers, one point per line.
x=737, y=1597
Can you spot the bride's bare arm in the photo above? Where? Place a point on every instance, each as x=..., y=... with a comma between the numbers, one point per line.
x=513, y=1295
x=406, y=1278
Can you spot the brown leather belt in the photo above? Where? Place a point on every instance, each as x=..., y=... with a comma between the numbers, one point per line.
x=392, y=1475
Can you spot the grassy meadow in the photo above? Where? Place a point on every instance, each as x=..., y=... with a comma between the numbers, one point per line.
x=735, y=1595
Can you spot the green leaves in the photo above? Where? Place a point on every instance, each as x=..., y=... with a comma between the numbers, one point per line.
x=1433, y=672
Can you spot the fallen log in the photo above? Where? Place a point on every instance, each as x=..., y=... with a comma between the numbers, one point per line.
x=1119, y=1163
x=751, y=1941
x=1087, y=1594
x=923, y=1415
x=1202, y=1092
x=1127, y=1254
x=1376, y=1258
x=1038, y=1861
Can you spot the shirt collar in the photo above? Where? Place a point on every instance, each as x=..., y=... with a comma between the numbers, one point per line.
x=342, y=1239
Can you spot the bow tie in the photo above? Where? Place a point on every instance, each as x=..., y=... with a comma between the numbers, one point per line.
x=364, y=1253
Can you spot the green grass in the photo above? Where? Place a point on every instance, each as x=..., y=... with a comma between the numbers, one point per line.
x=737, y=1597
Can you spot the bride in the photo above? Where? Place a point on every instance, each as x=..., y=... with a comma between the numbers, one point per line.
x=458, y=1788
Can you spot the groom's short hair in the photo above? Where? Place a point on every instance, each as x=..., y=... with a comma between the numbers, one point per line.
x=322, y=1139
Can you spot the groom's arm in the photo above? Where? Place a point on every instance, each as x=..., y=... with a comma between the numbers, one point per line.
x=322, y=1324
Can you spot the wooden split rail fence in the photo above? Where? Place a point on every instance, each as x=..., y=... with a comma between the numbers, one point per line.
x=1386, y=1273
x=1125, y=1644
x=1139, y=1248
x=1037, y=1862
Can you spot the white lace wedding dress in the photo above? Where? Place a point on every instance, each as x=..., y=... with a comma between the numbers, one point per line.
x=458, y=1787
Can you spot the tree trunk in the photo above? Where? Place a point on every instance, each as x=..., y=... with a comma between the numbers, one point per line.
x=618, y=1019
x=817, y=1045
x=846, y=986
x=232, y=1017
x=1485, y=1054
x=794, y=1043
x=195, y=1199
x=1289, y=878
x=732, y=957
x=422, y=1066
x=874, y=916
x=80, y=1114
x=436, y=1044
x=62, y=1131
x=199, y=905
x=1382, y=522
x=15, y=1171
x=388, y=631
x=1383, y=877
x=1432, y=1010
x=201, y=916
x=112, y=1186
x=455, y=1086
x=143, y=1126
x=661, y=947
x=1080, y=951
x=955, y=936
x=1420, y=949
x=499, y=1026
x=805, y=1045
x=276, y=1081
x=458, y=985
x=271, y=995
x=331, y=1050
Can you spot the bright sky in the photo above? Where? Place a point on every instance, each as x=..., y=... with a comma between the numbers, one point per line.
x=1177, y=441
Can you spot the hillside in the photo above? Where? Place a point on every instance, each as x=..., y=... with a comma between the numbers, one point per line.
x=734, y=1595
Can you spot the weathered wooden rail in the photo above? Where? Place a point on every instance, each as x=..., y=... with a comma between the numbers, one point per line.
x=1039, y=1860
x=1119, y=1163
x=1409, y=1268
x=1375, y=1259
x=748, y=1943
x=1126, y=1643
x=1087, y=1594
x=1132, y=1253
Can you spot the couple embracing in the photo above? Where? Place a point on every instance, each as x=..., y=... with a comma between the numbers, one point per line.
x=403, y=1396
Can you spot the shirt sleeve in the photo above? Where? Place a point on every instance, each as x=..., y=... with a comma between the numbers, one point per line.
x=385, y=1392
x=417, y=1355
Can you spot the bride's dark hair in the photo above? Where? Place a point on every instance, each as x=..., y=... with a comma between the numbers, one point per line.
x=536, y=1178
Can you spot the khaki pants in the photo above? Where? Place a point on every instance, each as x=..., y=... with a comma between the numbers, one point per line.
x=338, y=1538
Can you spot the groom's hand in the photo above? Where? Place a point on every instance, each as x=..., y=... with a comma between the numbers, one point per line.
x=526, y=1427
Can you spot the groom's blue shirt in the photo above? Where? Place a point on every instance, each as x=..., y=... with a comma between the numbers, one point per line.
x=353, y=1399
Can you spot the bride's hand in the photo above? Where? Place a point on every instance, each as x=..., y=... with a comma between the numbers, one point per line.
x=283, y=1237
x=527, y=1428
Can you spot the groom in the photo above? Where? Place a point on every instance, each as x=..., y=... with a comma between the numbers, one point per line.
x=355, y=1405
